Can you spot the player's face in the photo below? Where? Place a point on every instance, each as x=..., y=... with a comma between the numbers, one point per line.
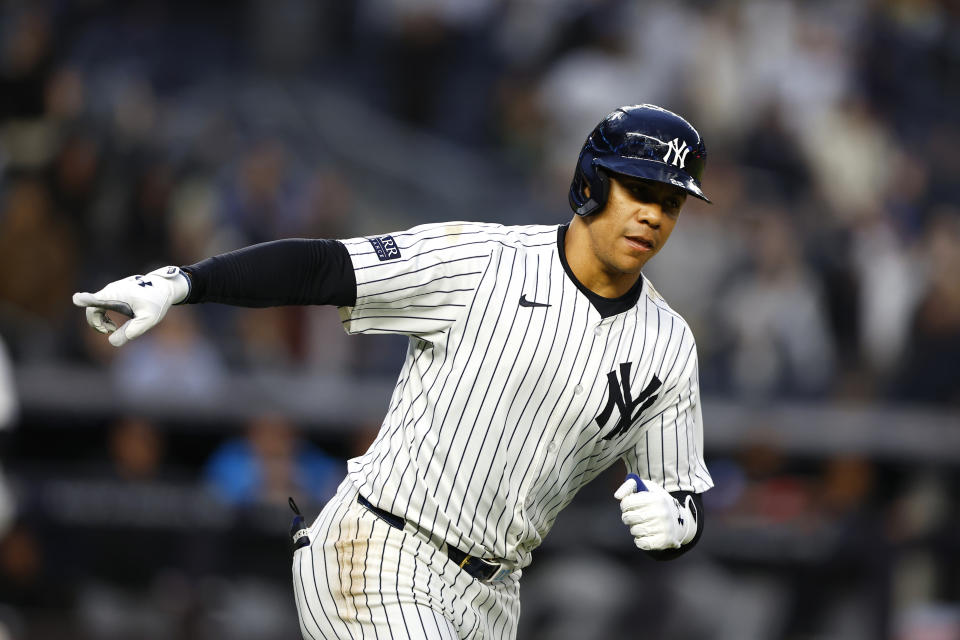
x=635, y=223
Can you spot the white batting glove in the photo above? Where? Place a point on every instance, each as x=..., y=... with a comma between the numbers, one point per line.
x=656, y=519
x=145, y=299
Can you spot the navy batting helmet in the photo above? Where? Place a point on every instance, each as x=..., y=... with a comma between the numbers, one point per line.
x=643, y=141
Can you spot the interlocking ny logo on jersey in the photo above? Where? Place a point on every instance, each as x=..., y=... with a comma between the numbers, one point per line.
x=386, y=248
x=679, y=149
x=621, y=398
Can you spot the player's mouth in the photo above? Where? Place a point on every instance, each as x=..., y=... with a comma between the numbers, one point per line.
x=639, y=243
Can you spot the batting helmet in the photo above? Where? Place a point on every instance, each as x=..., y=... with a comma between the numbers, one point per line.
x=643, y=141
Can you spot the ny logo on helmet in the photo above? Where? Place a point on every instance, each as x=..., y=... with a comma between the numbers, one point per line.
x=679, y=149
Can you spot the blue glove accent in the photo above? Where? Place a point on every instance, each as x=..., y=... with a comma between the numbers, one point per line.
x=636, y=478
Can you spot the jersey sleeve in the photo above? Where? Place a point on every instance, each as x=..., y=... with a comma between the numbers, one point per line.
x=416, y=282
x=670, y=448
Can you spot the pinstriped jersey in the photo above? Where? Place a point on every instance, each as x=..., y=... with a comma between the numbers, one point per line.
x=515, y=391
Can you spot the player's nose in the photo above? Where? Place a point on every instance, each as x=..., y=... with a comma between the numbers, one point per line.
x=650, y=213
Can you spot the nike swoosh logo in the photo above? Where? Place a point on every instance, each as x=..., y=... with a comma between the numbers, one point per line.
x=529, y=303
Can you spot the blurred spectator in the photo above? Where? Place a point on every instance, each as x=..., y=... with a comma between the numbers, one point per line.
x=586, y=597
x=890, y=281
x=173, y=360
x=840, y=593
x=21, y=568
x=909, y=60
x=772, y=156
x=37, y=252
x=776, y=497
x=325, y=205
x=143, y=226
x=192, y=221
x=26, y=54
x=136, y=449
x=520, y=122
x=929, y=369
x=918, y=513
x=271, y=338
x=65, y=94
x=75, y=181
x=430, y=62
x=776, y=318
x=849, y=153
x=258, y=201
x=31, y=587
x=271, y=463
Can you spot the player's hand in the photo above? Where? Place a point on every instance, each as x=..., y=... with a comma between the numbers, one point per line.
x=145, y=299
x=656, y=519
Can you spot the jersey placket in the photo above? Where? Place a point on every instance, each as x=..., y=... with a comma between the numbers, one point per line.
x=591, y=375
x=563, y=431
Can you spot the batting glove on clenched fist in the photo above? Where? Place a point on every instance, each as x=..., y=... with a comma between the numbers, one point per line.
x=656, y=519
x=145, y=299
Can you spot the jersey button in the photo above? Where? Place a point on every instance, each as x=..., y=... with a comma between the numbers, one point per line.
x=597, y=331
x=578, y=389
x=551, y=446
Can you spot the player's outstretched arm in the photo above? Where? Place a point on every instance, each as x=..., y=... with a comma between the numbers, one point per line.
x=283, y=272
x=658, y=520
x=143, y=299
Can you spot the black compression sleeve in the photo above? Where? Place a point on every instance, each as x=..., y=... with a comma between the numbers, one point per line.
x=670, y=554
x=284, y=272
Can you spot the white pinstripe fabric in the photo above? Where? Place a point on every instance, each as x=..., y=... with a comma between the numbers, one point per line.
x=493, y=425
x=361, y=578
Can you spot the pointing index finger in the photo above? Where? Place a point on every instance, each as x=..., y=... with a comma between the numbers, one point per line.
x=91, y=300
x=84, y=299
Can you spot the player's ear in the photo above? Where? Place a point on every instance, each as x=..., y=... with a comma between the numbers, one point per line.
x=586, y=190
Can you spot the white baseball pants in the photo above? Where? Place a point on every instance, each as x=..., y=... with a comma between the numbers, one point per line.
x=360, y=578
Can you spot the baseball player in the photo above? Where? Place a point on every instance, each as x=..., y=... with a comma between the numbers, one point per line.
x=538, y=357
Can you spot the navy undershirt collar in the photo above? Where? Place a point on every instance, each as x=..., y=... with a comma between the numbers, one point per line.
x=605, y=306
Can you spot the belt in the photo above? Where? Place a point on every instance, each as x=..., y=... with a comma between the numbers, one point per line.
x=482, y=570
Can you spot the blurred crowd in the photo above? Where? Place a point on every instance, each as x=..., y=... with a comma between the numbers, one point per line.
x=139, y=134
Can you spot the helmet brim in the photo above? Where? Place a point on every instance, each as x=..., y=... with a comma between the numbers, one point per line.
x=653, y=170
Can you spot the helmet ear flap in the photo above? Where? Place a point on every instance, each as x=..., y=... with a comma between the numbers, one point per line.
x=599, y=189
x=579, y=201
